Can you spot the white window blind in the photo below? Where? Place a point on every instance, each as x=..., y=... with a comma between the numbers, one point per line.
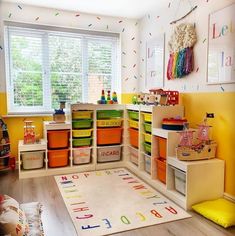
x=46, y=67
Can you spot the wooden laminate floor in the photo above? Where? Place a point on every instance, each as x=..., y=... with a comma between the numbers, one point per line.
x=57, y=222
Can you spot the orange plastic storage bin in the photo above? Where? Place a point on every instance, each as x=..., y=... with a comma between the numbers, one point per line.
x=134, y=137
x=58, y=139
x=58, y=158
x=161, y=169
x=162, y=147
x=109, y=136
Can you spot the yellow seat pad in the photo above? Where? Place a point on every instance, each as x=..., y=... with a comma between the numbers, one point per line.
x=220, y=211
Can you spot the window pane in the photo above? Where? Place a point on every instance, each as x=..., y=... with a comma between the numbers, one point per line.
x=100, y=57
x=99, y=68
x=66, y=87
x=95, y=85
x=65, y=54
x=66, y=66
x=28, y=89
x=26, y=70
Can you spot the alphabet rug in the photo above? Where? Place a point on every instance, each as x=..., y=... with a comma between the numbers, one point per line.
x=110, y=201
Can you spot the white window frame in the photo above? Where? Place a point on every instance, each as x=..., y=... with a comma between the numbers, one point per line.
x=44, y=32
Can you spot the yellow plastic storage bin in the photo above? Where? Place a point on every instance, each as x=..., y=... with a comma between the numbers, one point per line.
x=82, y=133
x=82, y=114
x=109, y=123
x=147, y=117
x=147, y=138
x=133, y=124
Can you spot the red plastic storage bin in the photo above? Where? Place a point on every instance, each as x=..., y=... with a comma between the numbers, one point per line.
x=161, y=169
x=109, y=136
x=58, y=158
x=58, y=139
x=134, y=137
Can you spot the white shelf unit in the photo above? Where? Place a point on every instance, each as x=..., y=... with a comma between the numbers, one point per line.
x=89, y=108
x=129, y=148
x=95, y=165
x=204, y=180
x=196, y=188
x=26, y=148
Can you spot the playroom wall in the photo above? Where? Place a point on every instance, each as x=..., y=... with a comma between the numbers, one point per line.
x=197, y=97
x=128, y=29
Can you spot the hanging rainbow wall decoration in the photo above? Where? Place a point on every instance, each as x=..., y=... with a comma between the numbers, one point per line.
x=181, y=62
x=111, y=201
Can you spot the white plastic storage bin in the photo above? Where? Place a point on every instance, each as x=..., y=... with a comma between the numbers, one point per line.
x=81, y=156
x=180, y=181
x=32, y=160
x=111, y=153
x=147, y=165
x=133, y=155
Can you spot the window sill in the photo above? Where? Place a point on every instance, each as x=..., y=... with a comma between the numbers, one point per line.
x=26, y=115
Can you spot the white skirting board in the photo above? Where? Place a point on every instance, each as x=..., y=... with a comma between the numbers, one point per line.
x=229, y=197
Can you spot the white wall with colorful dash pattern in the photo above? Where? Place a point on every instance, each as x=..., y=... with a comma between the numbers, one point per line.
x=157, y=22
x=128, y=29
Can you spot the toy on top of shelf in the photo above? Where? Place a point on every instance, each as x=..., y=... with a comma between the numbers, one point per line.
x=157, y=97
x=200, y=148
x=109, y=101
x=167, y=97
x=114, y=98
x=176, y=123
x=103, y=100
x=59, y=115
x=29, y=132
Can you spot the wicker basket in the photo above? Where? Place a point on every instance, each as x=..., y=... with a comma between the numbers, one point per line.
x=188, y=154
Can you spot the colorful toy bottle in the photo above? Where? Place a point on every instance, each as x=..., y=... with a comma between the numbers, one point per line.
x=29, y=132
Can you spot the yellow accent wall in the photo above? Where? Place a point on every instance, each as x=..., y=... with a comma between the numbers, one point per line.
x=127, y=98
x=3, y=104
x=16, y=125
x=223, y=130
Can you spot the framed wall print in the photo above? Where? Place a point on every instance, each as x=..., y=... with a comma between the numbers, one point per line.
x=155, y=49
x=221, y=46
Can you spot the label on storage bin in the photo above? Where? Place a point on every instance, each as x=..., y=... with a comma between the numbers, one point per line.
x=110, y=153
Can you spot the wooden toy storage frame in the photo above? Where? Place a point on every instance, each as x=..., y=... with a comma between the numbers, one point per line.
x=200, y=175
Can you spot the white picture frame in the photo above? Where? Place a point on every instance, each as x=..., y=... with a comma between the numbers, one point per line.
x=155, y=53
x=221, y=46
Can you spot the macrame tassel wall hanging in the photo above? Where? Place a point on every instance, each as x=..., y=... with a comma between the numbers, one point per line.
x=181, y=44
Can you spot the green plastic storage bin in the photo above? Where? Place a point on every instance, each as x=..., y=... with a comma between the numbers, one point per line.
x=147, y=148
x=107, y=114
x=82, y=142
x=147, y=127
x=133, y=115
x=85, y=123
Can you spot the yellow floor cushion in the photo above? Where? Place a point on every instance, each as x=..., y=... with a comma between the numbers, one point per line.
x=220, y=211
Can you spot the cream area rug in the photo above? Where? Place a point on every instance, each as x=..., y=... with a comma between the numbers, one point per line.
x=115, y=200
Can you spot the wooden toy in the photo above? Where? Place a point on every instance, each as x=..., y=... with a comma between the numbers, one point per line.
x=202, y=147
x=114, y=98
x=59, y=115
x=29, y=132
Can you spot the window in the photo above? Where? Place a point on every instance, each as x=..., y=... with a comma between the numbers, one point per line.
x=48, y=66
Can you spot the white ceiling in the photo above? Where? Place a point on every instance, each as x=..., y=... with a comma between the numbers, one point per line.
x=120, y=8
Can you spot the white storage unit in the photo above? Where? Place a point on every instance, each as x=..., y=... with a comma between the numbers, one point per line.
x=81, y=156
x=147, y=163
x=180, y=180
x=199, y=176
x=109, y=153
x=32, y=160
